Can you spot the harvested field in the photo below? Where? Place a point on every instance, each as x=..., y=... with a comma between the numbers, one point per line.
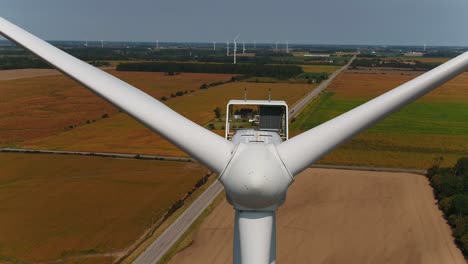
x=336, y=216
x=6, y=75
x=120, y=133
x=320, y=68
x=434, y=126
x=357, y=87
x=58, y=207
x=41, y=106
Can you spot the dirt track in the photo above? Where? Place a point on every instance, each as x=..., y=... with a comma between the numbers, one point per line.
x=337, y=216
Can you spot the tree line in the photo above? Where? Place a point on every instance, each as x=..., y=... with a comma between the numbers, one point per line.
x=10, y=63
x=451, y=189
x=376, y=62
x=276, y=71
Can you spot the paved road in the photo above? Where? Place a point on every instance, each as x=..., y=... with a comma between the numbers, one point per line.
x=169, y=237
x=296, y=108
x=99, y=154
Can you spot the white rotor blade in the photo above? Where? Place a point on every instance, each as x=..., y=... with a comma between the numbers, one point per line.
x=301, y=151
x=205, y=146
x=255, y=237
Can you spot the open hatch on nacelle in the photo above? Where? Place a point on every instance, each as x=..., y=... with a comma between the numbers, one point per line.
x=257, y=121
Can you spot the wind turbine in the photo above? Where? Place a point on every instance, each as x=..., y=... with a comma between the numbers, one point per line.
x=235, y=48
x=256, y=176
x=227, y=48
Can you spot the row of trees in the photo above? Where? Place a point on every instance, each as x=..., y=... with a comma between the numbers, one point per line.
x=276, y=71
x=376, y=62
x=315, y=77
x=178, y=93
x=24, y=62
x=451, y=189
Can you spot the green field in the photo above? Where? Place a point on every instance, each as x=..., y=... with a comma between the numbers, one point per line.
x=416, y=118
x=412, y=137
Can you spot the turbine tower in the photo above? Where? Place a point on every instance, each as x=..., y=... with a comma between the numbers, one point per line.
x=243, y=47
x=227, y=48
x=276, y=46
x=255, y=175
x=287, y=46
x=235, y=49
x=214, y=45
x=102, y=43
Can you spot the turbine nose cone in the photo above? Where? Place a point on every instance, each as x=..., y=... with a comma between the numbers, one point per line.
x=255, y=178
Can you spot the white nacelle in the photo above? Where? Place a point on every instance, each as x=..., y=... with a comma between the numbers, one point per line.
x=255, y=178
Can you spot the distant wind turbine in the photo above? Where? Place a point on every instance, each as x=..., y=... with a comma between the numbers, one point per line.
x=235, y=49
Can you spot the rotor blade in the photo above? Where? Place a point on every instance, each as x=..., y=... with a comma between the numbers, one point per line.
x=255, y=237
x=205, y=146
x=238, y=35
x=301, y=151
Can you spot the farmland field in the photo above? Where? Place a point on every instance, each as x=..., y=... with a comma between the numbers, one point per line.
x=320, y=68
x=26, y=73
x=120, y=133
x=56, y=206
x=40, y=106
x=433, y=126
x=338, y=216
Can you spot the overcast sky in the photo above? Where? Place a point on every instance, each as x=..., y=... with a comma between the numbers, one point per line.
x=389, y=22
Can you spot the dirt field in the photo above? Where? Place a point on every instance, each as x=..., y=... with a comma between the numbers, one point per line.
x=320, y=68
x=120, y=133
x=57, y=206
x=336, y=216
x=353, y=86
x=6, y=75
x=40, y=106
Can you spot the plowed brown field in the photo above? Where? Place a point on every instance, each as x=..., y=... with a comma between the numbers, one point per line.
x=354, y=86
x=121, y=133
x=57, y=206
x=40, y=106
x=336, y=216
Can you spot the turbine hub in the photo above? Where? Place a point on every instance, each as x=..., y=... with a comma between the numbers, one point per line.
x=256, y=178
